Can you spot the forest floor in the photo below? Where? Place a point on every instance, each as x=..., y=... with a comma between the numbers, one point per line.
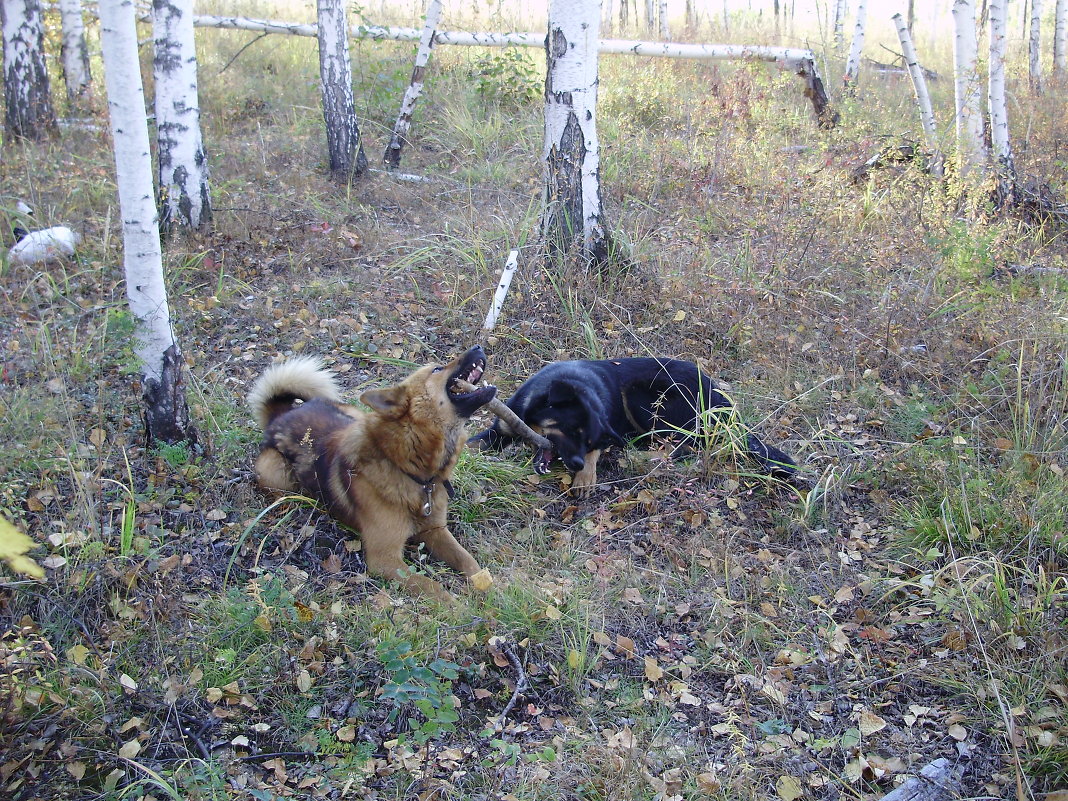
x=693, y=629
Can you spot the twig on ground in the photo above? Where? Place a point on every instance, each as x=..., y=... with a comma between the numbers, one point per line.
x=520, y=682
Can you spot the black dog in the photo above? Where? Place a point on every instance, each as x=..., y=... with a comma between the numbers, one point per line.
x=583, y=407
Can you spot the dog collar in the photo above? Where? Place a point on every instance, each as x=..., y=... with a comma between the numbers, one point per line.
x=428, y=490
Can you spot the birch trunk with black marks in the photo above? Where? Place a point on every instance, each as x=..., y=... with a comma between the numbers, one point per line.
x=1034, y=48
x=572, y=216
x=163, y=392
x=999, y=118
x=76, y=73
x=852, y=69
x=971, y=147
x=28, y=108
x=665, y=32
x=392, y=156
x=184, y=195
x=839, y=24
x=919, y=85
x=650, y=16
x=1060, y=39
x=347, y=159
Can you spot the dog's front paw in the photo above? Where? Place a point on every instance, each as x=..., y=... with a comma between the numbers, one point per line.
x=583, y=484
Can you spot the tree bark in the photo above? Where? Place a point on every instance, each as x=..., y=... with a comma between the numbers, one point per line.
x=28, y=110
x=971, y=148
x=1034, y=50
x=392, y=156
x=166, y=412
x=919, y=85
x=185, y=199
x=76, y=73
x=571, y=220
x=852, y=69
x=839, y=24
x=665, y=32
x=1060, y=39
x=999, y=118
x=347, y=159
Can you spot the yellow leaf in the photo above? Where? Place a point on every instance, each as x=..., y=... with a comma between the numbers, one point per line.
x=130, y=749
x=76, y=769
x=13, y=544
x=304, y=681
x=789, y=788
x=958, y=732
x=680, y=315
x=346, y=734
x=870, y=723
x=77, y=654
x=574, y=659
x=552, y=612
x=653, y=671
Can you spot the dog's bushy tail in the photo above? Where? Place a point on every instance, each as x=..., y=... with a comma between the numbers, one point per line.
x=299, y=378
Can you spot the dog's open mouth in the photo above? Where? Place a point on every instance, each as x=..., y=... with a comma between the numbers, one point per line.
x=465, y=396
x=470, y=374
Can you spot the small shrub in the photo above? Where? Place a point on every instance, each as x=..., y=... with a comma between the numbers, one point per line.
x=508, y=78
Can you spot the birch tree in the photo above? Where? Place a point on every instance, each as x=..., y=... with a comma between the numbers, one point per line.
x=971, y=149
x=572, y=216
x=75, y=53
x=28, y=109
x=1060, y=39
x=1034, y=51
x=852, y=69
x=919, y=85
x=415, y=88
x=165, y=408
x=347, y=159
x=183, y=165
x=839, y=23
x=665, y=32
x=999, y=118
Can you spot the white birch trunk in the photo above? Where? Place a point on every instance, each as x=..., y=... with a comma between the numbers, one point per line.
x=606, y=15
x=155, y=345
x=919, y=83
x=1034, y=51
x=347, y=159
x=999, y=118
x=971, y=148
x=1060, y=39
x=572, y=214
x=852, y=69
x=650, y=16
x=392, y=156
x=75, y=52
x=665, y=33
x=502, y=291
x=183, y=165
x=839, y=24
x=28, y=108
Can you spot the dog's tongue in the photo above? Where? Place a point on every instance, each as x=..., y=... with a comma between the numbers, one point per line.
x=475, y=375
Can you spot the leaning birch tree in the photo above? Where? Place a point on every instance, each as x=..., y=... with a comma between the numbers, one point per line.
x=347, y=159
x=572, y=218
x=163, y=390
x=852, y=69
x=1034, y=48
x=999, y=117
x=919, y=85
x=184, y=196
x=1060, y=39
x=28, y=109
x=415, y=88
x=75, y=52
x=968, y=119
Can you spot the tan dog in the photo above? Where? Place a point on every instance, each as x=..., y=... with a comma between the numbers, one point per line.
x=384, y=472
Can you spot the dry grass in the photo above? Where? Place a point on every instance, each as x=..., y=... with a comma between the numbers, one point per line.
x=690, y=630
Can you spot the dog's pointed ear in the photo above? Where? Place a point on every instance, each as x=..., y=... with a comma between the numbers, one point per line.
x=390, y=402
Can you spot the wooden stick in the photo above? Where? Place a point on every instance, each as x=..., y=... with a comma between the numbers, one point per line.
x=498, y=407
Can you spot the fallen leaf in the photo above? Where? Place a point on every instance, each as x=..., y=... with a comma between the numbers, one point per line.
x=482, y=580
x=304, y=681
x=653, y=671
x=788, y=788
x=870, y=723
x=130, y=749
x=332, y=563
x=633, y=595
x=346, y=734
x=957, y=732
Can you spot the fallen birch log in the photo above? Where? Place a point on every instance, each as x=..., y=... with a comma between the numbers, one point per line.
x=498, y=407
x=502, y=290
x=800, y=60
